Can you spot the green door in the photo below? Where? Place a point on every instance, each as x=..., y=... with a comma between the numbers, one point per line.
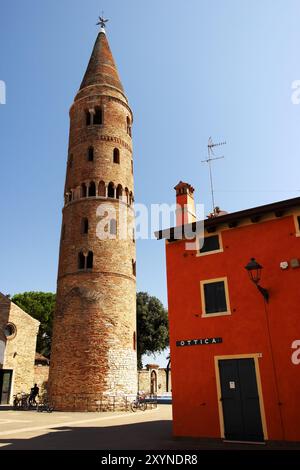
x=5, y=386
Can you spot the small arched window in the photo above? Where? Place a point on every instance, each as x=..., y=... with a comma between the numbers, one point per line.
x=113, y=227
x=119, y=191
x=69, y=195
x=111, y=190
x=116, y=155
x=90, y=154
x=132, y=167
x=70, y=161
x=81, y=260
x=87, y=118
x=98, y=117
x=127, y=195
x=85, y=225
x=101, y=189
x=128, y=123
x=134, y=341
x=89, y=260
x=92, y=189
x=63, y=232
x=133, y=267
x=83, y=190
x=130, y=198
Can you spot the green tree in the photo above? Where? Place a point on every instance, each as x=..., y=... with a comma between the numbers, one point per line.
x=40, y=305
x=152, y=326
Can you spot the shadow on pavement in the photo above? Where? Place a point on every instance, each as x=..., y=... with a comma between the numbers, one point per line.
x=152, y=435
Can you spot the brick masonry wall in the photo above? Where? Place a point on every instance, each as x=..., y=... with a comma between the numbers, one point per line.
x=19, y=351
x=93, y=351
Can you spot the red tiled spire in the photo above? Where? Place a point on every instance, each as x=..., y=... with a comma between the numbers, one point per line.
x=102, y=69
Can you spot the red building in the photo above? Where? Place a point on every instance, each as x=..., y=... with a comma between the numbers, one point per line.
x=235, y=338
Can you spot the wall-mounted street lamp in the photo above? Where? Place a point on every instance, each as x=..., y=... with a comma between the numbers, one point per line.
x=254, y=271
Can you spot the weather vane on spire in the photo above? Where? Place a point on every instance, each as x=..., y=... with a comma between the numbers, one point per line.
x=102, y=22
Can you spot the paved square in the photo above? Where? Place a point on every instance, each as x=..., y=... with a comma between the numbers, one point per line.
x=151, y=429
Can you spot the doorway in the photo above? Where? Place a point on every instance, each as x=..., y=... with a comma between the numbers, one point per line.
x=5, y=386
x=153, y=387
x=240, y=400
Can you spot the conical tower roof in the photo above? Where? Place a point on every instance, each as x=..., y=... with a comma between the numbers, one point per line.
x=102, y=69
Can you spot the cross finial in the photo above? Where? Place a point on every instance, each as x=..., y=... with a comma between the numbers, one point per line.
x=102, y=22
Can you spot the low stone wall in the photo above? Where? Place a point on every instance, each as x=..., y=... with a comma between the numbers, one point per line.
x=92, y=402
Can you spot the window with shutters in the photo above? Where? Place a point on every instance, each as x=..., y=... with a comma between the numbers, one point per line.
x=211, y=244
x=214, y=297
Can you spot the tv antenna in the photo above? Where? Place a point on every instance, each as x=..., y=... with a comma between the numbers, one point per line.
x=210, y=158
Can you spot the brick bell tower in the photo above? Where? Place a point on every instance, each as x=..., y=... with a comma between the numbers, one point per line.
x=93, y=353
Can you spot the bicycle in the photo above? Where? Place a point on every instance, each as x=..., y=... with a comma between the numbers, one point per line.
x=139, y=404
x=44, y=405
x=21, y=401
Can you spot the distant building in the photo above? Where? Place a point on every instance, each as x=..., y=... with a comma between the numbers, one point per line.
x=154, y=380
x=234, y=343
x=18, y=332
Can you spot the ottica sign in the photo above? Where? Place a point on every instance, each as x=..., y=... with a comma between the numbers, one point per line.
x=198, y=342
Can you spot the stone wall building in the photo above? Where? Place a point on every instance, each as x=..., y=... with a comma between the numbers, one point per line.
x=94, y=334
x=18, y=334
x=155, y=380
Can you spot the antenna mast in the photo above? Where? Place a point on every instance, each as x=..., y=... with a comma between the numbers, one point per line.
x=210, y=158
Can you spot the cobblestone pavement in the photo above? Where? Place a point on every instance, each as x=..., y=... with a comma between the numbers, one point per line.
x=151, y=429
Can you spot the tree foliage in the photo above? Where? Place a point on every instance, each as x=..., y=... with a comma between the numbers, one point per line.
x=152, y=321
x=152, y=326
x=40, y=305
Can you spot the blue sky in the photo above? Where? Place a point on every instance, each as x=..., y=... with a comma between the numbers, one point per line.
x=190, y=70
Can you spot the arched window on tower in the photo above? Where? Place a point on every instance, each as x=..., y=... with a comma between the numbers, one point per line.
x=92, y=189
x=111, y=190
x=98, y=116
x=134, y=341
x=127, y=195
x=101, y=189
x=90, y=154
x=89, y=260
x=116, y=155
x=70, y=161
x=130, y=198
x=88, y=120
x=85, y=226
x=83, y=190
x=134, y=267
x=81, y=260
x=128, y=123
x=119, y=191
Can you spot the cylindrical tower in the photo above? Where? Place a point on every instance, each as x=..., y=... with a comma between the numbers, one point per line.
x=94, y=336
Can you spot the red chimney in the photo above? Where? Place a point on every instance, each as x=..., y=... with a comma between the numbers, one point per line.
x=185, y=212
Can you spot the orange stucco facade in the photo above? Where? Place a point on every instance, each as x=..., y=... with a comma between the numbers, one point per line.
x=269, y=333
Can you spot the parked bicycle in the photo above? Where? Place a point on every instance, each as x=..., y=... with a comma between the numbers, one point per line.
x=44, y=405
x=21, y=401
x=139, y=403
